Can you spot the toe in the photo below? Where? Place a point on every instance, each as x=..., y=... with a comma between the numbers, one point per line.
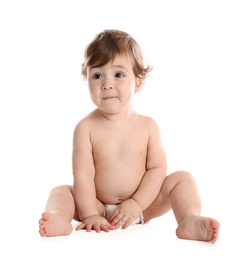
x=46, y=215
x=42, y=227
x=41, y=221
x=214, y=223
x=42, y=233
x=215, y=237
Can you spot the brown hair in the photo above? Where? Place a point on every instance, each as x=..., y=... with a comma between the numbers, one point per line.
x=109, y=43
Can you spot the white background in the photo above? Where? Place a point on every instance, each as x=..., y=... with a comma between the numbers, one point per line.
x=197, y=93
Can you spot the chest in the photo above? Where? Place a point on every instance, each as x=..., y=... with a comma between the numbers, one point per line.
x=120, y=143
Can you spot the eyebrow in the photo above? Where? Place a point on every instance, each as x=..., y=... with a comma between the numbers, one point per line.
x=120, y=66
x=114, y=66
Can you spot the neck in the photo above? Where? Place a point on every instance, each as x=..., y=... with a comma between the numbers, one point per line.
x=124, y=114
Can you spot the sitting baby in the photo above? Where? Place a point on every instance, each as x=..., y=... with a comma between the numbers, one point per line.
x=119, y=163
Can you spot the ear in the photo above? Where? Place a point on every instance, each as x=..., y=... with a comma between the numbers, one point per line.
x=139, y=84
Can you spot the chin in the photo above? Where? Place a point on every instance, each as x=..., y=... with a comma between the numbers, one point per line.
x=110, y=110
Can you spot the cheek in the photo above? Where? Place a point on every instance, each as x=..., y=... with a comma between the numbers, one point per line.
x=93, y=88
x=127, y=96
x=132, y=88
x=94, y=93
x=128, y=87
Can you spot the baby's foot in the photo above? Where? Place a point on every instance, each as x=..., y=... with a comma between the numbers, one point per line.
x=52, y=225
x=198, y=228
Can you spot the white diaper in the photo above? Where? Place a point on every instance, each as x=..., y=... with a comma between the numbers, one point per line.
x=109, y=210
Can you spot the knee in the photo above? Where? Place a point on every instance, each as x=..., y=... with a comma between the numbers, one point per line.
x=174, y=178
x=62, y=188
x=180, y=175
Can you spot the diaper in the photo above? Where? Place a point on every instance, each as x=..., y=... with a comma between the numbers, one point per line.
x=109, y=210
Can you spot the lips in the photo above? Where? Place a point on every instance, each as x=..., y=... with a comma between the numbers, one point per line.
x=110, y=97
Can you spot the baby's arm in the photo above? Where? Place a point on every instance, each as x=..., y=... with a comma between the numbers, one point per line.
x=156, y=165
x=150, y=185
x=84, y=186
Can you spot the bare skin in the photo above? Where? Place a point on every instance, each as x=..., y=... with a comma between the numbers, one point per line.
x=118, y=157
x=54, y=225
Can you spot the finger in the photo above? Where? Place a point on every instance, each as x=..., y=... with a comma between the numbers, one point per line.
x=104, y=228
x=96, y=227
x=88, y=227
x=81, y=226
x=110, y=227
x=122, y=221
x=116, y=212
x=128, y=223
x=117, y=219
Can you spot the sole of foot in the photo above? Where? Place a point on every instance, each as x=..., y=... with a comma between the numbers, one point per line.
x=198, y=228
x=52, y=225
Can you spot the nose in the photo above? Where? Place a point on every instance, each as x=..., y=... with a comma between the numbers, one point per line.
x=107, y=86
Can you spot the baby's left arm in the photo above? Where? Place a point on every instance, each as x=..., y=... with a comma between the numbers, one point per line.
x=156, y=166
x=151, y=183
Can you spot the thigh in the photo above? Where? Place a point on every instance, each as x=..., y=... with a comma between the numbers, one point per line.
x=100, y=207
x=160, y=205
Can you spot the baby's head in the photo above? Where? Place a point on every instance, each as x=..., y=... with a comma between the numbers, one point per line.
x=110, y=43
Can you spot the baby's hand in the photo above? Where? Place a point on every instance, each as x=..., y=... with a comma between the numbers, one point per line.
x=126, y=213
x=96, y=223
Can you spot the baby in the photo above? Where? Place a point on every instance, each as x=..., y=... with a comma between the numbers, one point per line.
x=119, y=163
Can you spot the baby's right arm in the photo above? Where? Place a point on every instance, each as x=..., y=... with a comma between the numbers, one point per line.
x=84, y=190
x=84, y=172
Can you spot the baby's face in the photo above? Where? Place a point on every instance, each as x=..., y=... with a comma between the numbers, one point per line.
x=113, y=85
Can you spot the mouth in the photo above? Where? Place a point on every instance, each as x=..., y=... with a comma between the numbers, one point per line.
x=110, y=97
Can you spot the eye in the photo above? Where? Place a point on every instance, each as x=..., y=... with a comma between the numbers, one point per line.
x=119, y=75
x=97, y=76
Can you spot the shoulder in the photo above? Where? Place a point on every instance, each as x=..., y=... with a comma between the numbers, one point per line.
x=148, y=122
x=87, y=121
x=85, y=125
x=152, y=129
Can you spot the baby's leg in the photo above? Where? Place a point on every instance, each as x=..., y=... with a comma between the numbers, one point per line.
x=60, y=210
x=180, y=192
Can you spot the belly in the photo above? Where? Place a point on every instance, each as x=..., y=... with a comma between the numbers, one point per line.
x=120, y=165
x=116, y=185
